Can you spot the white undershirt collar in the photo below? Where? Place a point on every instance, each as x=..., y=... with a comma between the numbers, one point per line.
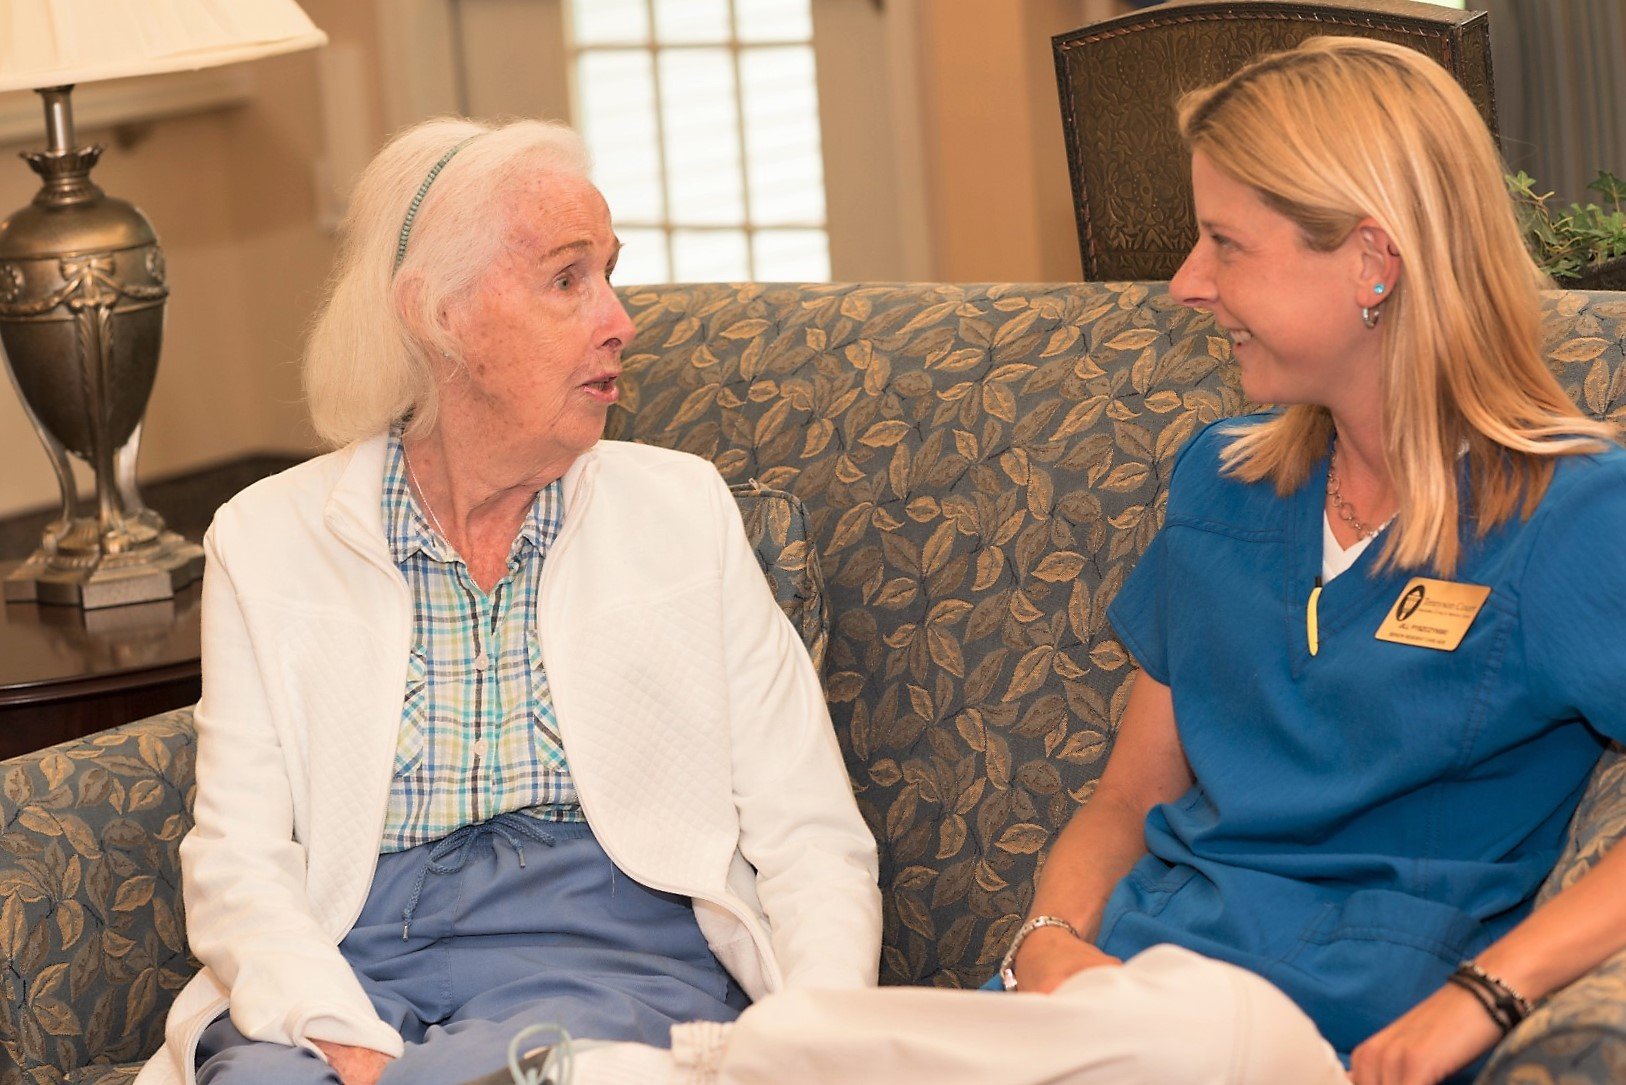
x=1334, y=558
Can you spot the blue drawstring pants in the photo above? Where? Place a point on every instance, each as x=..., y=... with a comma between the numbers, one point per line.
x=510, y=922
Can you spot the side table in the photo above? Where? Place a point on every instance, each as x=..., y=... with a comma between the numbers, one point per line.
x=66, y=672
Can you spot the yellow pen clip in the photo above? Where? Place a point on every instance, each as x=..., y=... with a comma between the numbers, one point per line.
x=1311, y=627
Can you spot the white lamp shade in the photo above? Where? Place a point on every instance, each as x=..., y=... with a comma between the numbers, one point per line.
x=49, y=43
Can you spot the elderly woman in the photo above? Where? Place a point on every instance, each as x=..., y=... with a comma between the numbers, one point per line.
x=1380, y=646
x=500, y=722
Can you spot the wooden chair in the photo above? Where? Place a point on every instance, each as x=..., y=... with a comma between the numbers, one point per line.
x=1119, y=80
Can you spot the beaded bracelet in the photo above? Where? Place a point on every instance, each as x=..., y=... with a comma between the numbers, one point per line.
x=1505, y=1006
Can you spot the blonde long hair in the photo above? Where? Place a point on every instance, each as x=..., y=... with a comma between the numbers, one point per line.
x=365, y=365
x=1337, y=130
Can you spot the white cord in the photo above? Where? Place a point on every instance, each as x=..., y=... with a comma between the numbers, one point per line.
x=561, y=1058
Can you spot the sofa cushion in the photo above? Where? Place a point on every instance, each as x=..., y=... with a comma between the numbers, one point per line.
x=982, y=466
x=776, y=525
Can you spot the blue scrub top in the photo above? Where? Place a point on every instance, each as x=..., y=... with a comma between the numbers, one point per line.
x=1366, y=818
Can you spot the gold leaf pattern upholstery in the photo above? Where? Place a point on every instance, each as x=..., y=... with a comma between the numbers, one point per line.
x=91, y=936
x=980, y=466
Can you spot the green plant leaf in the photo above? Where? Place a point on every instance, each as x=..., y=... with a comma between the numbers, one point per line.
x=1566, y=242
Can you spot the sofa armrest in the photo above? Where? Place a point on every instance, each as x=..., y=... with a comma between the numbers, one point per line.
x=92, y=939
x=1579, y=1034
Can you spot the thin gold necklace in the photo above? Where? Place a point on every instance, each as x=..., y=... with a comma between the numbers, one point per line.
x=1335, y=495
x=423, y=498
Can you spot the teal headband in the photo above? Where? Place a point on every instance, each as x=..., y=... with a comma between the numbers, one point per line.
x=417, y=201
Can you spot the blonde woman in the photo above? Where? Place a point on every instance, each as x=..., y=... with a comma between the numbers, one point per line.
x=1380, y=653
x=1380, y=638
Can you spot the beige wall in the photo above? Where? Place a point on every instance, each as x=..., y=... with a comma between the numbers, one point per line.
x=233, y=195
x=1001, y=203
x=237, y=198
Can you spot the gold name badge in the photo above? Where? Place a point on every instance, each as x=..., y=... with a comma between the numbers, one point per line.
x=1433, y=614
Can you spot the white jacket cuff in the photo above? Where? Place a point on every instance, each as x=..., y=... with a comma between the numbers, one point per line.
x=330, y=1025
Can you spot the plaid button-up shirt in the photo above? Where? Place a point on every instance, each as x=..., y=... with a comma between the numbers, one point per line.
x=478, y=732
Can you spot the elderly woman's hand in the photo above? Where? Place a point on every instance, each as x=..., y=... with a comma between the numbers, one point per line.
x=354, y=1065
x=1437, y=1037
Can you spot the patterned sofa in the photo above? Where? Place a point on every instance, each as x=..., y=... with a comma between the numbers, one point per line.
x=980, y=467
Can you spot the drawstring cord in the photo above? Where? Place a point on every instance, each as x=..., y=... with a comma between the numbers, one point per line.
x=450, y=853
x=557, y=1061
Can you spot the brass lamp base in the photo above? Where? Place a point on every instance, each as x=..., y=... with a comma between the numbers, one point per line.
x=82, y=296
x=157, y=571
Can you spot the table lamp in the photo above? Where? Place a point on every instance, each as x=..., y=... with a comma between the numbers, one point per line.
x=82, y=287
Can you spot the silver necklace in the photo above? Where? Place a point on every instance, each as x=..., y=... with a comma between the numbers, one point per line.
x=423, y=498
x=1334, y=494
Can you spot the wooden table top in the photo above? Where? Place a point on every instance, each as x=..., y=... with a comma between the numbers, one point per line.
x=50, y=653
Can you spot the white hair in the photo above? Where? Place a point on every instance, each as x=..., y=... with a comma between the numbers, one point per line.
x=367, y=364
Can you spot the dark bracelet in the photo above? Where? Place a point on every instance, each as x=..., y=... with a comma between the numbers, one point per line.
x=1485, y=999
x=1505, y=1006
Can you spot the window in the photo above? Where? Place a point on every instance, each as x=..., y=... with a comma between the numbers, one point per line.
x=829, y=179
x=705, y=115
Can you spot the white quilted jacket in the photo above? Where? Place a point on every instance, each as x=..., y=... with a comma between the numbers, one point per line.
x=696, y=730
